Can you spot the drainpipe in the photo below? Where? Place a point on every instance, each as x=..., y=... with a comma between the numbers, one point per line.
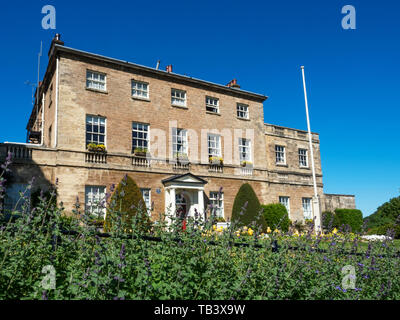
x=42, y=137
x=56, y=116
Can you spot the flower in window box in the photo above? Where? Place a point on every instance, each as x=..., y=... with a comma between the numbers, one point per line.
x=216, y=160
x=96, y=147
x=247, y=164
x=181, y=157
x=141, y=152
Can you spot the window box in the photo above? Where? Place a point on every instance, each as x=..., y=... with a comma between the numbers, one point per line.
x=181, y=158
x=141, y=152
x=216, y=161
x=93, y=147
x=247, y=164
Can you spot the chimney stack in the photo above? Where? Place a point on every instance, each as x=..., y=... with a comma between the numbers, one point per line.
x=233, y=84
x=56, y=40
x=169, y=68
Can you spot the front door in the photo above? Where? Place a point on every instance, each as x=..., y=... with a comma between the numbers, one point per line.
x=181, y=209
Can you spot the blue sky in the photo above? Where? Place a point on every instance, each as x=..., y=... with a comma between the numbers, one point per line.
x=352, y=75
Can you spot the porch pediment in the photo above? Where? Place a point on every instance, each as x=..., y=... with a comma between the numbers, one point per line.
x=184, y=178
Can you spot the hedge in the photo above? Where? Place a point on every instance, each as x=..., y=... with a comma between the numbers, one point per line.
x=349, y=217
x=276, y=216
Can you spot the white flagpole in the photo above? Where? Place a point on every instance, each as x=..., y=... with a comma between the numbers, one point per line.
x=316, y=208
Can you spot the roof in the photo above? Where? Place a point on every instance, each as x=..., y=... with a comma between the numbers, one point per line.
x=181, y=177
x=248, y=94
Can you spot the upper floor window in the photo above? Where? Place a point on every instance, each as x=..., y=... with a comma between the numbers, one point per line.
x=95, y=201
x=95, y=80
x=50, y=95
x=95, y=130
x=280, y=155
x=179, y=141
x=286, y=202
x=140, y=89
x=217, y=203
x=242, y=111
x=212, y=104
x=178, y=97
x=214, y=145
x=307, y=209
x=140, y=136
x=146, y=194
x=303, y=159
x=244, y=149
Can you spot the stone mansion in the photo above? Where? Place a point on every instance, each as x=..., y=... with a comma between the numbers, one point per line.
x=180, y=139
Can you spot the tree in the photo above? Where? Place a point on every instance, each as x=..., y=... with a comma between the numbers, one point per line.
x=276, y=216
x=387, y=213
x=127, y=200
x=246, y=198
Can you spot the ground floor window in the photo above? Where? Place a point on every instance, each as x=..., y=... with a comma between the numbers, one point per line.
x=95, y=201
x=146, y=194
x=286, y=202
x=307, y=209
x=17, y=195
x=217, y=203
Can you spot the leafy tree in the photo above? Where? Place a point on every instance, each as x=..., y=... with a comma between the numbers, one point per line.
x=246, y=198
x=127, y=200
x=276, y=216
x=387, y=213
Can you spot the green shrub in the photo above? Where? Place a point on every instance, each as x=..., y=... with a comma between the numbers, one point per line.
x=128, y=200
x=253, y=211
x=276, y=216
x=329, y=221
x=46, y=195
x=349, y=217
x=383, y=230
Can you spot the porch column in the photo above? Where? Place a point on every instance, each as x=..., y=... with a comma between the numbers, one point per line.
x=172, y=199
x=201, y=203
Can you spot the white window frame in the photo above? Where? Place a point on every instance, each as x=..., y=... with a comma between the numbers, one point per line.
x=280, y=154
x=303, y=158
x=286, y=202
x=94, y=81
x=148, y=202
x=179, y=134
x=178, y=97
x=244, y=149
x=212, y=104
x=214, y=145
x=95, y=198
x=145, y=141
x=138, y=88
x=92, y=132
x=217, y=200
x=242, y=110
x=307, y=208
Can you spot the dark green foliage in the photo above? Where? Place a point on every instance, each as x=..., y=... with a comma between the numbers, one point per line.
x=329, y=221
x=385, y=214
x=276, y=216
x=253, y=211
x=349, y=217
x=128, y=200
x=48, y=196
x=392, y=229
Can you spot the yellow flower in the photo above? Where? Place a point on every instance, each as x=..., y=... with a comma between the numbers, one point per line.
x=244, y=228
x=334, y=231
x=277, y=231
x=214, y=227
x=268, y=230
x=250, y=232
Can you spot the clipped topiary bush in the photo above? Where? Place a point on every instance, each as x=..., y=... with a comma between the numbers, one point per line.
x=276, y=216
x=349, y=217
x=252, y=211
x=128, y=201
x=329, y=221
